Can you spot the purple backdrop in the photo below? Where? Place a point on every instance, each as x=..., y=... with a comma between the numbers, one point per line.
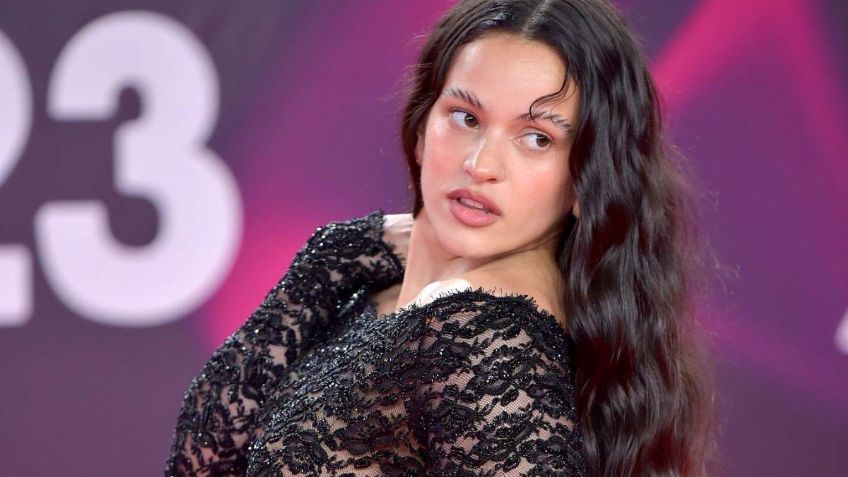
x=160, y=163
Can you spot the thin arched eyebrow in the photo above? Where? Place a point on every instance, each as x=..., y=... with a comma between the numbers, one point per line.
x=469, y=98
x=552, y=117
x=464, y=95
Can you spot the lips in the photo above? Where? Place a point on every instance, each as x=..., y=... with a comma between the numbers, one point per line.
x=468, y=198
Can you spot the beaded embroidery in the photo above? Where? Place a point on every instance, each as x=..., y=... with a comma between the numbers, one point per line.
x=470, y=383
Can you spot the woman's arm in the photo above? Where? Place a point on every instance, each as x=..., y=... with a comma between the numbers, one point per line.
x=219, y=413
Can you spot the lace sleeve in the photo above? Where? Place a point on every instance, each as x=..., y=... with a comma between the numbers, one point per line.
x=497, y=397
x=219, y=411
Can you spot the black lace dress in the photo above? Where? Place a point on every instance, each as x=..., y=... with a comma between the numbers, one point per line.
x=315, y=383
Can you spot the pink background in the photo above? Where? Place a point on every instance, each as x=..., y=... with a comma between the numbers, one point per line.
x=308, y=127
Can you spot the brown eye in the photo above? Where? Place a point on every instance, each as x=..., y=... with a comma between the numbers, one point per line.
x=464, y=118
x=537, y=141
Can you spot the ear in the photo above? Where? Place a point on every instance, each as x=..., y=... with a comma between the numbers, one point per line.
x=419, y=148
x=575, y=209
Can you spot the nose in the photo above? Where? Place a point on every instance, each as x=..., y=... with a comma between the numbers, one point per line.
x=485, y=162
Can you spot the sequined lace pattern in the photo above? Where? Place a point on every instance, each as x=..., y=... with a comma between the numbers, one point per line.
x=315, y=383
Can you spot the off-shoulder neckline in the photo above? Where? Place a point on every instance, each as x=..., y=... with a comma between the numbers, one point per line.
x=542, y=317
x=528, y=301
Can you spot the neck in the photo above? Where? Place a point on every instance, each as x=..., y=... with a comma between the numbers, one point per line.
x=428, y=262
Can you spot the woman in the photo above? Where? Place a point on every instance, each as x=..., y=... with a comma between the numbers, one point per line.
x=528, y=318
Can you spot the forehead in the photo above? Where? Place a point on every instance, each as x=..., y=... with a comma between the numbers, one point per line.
x=508, y=70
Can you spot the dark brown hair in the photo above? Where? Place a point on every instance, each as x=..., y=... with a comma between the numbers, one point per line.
x=644, y=383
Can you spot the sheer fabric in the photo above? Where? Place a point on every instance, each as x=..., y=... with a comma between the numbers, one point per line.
x=316, y=383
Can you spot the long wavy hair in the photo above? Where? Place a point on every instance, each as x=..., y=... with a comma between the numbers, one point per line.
x=644, y=381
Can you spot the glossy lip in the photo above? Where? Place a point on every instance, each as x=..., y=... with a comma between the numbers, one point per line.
x=458, y=193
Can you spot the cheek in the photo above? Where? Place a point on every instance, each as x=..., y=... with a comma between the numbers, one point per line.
x=442, y=149
x=545, y=191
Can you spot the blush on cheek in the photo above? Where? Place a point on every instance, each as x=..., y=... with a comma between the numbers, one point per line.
x=443, y=156
x=543, y=190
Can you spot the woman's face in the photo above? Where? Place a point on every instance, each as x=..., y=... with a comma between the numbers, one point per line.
x=478, y=139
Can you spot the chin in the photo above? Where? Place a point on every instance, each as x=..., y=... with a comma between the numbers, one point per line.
x=461, y=240
x=468, y=244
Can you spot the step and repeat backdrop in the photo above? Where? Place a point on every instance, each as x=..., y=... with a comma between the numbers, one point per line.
x=162, y=161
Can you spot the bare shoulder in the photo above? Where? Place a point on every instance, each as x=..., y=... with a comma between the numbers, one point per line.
x=495, y=284
x=439, y=288
x=398, y=223
x=397, y=229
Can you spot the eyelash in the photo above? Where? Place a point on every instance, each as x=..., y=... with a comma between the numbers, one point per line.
x=460, y=122
x=549, y=139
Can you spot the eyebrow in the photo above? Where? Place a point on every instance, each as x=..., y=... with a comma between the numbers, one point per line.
x=464, y=95
x=469, y=98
